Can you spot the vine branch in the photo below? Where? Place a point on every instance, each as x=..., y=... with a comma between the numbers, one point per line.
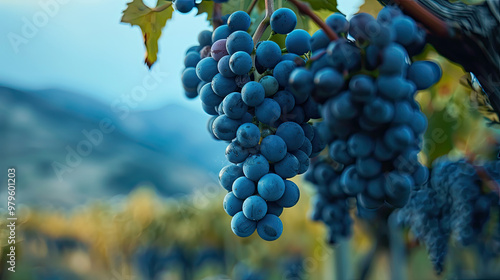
x=217, y=15
x=303, y=8
x=428, y=19
x=264, y=23
x=252, y=5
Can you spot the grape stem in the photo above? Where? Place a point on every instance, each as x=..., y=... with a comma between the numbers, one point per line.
x=217, y=15
x=305, y=9
x=428, y=19
x=252, y=5
x=264, y=23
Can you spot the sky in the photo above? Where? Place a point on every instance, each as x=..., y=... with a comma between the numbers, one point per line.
x=81, y=46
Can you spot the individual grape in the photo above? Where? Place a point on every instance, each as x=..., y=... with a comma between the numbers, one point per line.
x=221, y=32
x=239, y=41
x=232, y=204
x=293, y=135
x=395, y=87
x=360, y=145
x=233, y=106
x=288, y=167
x=298, y=42
x=208, y=96
x=183, y=6
x=206, y=69
x=387, y=13
x=270, y=227
x=394, y=59
x=243, y=187
x=270, y=85
x=398, y=188
x=308, y=130
x=274, y=208
x=362, y=88
x=418, y=123
x=338, y=23
x=209, y=109
x=268, y=54
x=303, y=159
x=343, y=107
x=235, y=153
x=399, y=137
x=319, y=40
x=382, y=151
x=253, y=94
x=225, y=128
x=299, y=61
x=282, y=72
x=379, y=111
x=290, y=196
x=351, y=182
x=424, y=74
x=238, y=20
x=297, y=115
x=273, y=148
x=301, y=83
x=223, y=86
x=363, y=27
x=248, y=135
x=223, y=67
x=190, y=80
x=368, y=167
x=271, y=187
x=196, y=48
x=338, y=152
x=205, y=38
x=191, y=59
x=255, y=167
x=318, y=144
x=254, y=208
x=327, y=82
x=268, y=111
x=240, y=63
x=306, y=147
x=242, y=226
x=218, y=50
x=286, y=101
x=405, y=30
x=343, y=55
x=375, y=187
x=283, y=21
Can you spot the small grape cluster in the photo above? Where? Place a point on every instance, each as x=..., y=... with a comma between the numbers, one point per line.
x=246, y=90
x=366, y=88
x=451, y=204
x=185, y=6
x=330, y=203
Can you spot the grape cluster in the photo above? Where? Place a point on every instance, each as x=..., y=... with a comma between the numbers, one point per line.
x=246, y=90
x=185, y=6
x=366, y=88
x=451, y=204
x=330, y=203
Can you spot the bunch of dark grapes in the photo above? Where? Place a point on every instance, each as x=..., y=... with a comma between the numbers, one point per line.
x=451, y=204
x=246, y=90
x=185, y=6
x=330, y=203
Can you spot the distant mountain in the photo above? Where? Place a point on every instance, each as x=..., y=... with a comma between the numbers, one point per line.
x=45, y=136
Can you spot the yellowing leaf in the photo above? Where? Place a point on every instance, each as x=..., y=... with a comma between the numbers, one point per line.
x=151, y=22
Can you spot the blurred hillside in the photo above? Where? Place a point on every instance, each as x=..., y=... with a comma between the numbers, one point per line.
x=167, y=148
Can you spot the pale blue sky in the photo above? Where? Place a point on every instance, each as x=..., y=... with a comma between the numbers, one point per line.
x=83, y=47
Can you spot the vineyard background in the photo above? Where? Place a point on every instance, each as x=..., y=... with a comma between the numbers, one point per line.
x=145, y=204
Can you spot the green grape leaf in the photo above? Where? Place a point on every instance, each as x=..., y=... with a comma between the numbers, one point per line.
x=232, y=6
x=206, y=7
x=323, y=4
x=151, y=21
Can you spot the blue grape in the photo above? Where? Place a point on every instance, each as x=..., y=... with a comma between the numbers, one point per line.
x=301, y=83
x=395, y=87
x=238, y=20
x=351, y=182
x=368, y=167
x=205, y=38
x=293, y=135
x=183, y=6
x=239, y=41
x=297, y=115
x=382, y=151
x=311, y=109
x=387, y=13
x=283, y=21
x=282, y=72
x=270, y=85
x=273, y=148
x=254, y=208
x=290, y=196
x=268, y=111
x=379, y=111
x=242, y=226
x=338, y=152
x=270, y=227
x=328, y=82
x=303, y=159
x=298, y=42
x=206, y=69
x=274, y=208
x=342, y=107
x=189, y=79
x=394, y=59
x=223, y=86
x=191, y=59
x=240, y=63
x=223, y=67
x=221, y=32
x=268, y=54
x=319, y=40
x=362, y=88
x=232, y=204
x=233, y=106
x=243, y=187
x=418, y=123
x=255, y=167
x=306, y=147
x=343, y=55
x=209, y=109
x=398, y=188
x=208, y=96
x=318, y=144
x=399, y=137
x=363, y=27
x=405, y=30
x=235, y=153
x=218, y=50
x=286, y=101
x=338, y=23
x=308, y=131
x=253, y=94
x=424, y=74
x=248, y=135
x=225, y=128
x=375, y=187
x=271, y=187
x=288, y=167
x=360, y=145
